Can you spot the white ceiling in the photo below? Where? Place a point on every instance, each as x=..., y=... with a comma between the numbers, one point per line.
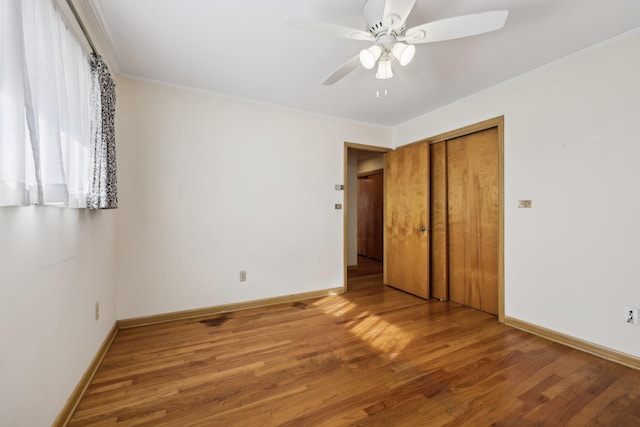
x=242, y=49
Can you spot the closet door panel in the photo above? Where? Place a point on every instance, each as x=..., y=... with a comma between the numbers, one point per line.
x=473, y=226
x=438, y=244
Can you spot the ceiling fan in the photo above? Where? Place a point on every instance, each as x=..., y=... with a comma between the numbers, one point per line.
x=385, y=20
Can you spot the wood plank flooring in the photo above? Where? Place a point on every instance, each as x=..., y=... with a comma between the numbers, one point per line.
x=374, y=356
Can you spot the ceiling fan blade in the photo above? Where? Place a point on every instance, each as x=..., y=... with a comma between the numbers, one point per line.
x=396, y=12
x=456, y=28
x=328, y=29
x=341, y=72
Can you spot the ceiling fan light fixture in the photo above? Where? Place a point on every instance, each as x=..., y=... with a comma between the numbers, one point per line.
x=384, y=69
x=403, y=52
x=368, y=57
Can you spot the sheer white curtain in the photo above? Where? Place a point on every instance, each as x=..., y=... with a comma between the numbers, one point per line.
x=13, y=174
x=45, y=86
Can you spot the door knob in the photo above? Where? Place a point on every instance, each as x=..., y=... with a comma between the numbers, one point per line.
x=422, y=228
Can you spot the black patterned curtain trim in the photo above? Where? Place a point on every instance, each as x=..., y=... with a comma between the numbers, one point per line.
x=103, y=191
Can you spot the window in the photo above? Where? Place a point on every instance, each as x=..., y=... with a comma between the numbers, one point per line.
x=47, y=112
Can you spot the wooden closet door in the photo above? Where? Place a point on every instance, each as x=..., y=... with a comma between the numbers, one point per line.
x=406, y=206
x=473, y=224
x=439, y=256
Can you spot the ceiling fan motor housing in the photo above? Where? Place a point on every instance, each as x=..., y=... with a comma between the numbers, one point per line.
x=373, y=11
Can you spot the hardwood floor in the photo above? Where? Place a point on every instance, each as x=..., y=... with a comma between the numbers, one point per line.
x=374, y=356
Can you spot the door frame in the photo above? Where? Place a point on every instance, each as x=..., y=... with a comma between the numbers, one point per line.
x=498, y=123
x=345, y=205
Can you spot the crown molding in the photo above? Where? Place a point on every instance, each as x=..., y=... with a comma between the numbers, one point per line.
x=92, y=18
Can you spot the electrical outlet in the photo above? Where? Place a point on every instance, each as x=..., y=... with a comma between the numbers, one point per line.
x=243, y=275
x=97, y=310
x=631, y=315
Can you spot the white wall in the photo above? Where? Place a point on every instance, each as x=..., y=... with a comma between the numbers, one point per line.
x=210, y=186
x=571, y=145
x=371, y=163
x=54, y=265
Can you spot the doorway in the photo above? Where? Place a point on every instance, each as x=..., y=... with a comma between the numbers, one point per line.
x=363, y=170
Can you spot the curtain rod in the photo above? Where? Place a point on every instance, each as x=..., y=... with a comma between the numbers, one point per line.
x=82, y=27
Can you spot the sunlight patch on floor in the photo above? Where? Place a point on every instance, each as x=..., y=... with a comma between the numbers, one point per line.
x=374, y=330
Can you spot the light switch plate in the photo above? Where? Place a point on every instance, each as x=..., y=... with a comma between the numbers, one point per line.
x=524, y=203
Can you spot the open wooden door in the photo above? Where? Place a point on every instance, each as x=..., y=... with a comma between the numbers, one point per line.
x=406, y=208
